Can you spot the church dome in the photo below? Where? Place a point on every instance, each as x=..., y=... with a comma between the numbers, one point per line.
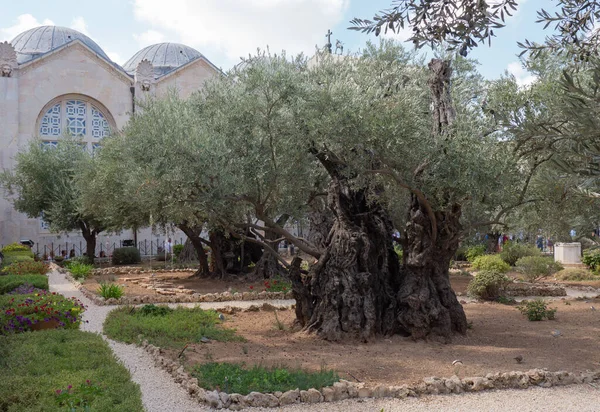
x=38, y=41
x=165, y=57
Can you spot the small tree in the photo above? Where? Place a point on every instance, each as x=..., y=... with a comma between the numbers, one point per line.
x=47, y=181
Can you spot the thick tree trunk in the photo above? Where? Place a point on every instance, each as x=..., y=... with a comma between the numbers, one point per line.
x=351, y=291
x=427, y=303
x=217, y=247
x=193, y=234
x=492, y=242
x=268, y=266
x=188, y=253
x=90, y=241
x=357, y=289
x=320, y=222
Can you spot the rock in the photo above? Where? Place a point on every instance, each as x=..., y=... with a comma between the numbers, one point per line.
x=212, y=399
x=311, y=396
x=252, y=308
x=399, y=392
x=341, y=391
x=381, y=391
x=475, y=384
x=261, y=400
x=435, y=385
x=237, y=402
x=204, y=339
x=328, y=394
x=267, y=307
x=454, y=384
x=289, y=397
x=225, y=399
x=365, y=393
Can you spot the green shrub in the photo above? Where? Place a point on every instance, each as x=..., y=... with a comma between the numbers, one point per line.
x=537, y=267
x=235, y=378
x=79, y=270
x=177, y=249
x=18, y=313
x=536, y=310
x=15, y=247
x=26, y=268
x=576, y=274
x=36, y=365
x=591, y=258
x=171, y=330
x=512, y=251
x=474, y=252
x=9, y=283
x=12, y=258
x=153, y=310
x=126, y=256
x=491, y=263
x=487, y=285
x=110, y=290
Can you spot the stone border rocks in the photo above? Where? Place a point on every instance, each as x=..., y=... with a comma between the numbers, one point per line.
x=193, y=298
x=349, y=390
x=530, y=289
x=131, y=270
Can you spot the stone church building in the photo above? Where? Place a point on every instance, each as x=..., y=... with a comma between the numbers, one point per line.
x=55, y=80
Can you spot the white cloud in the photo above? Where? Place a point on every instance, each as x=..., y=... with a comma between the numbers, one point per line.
x=24, y=22
x=523, y=77
x=115, y=57
x=236, y=28
x=149, y=37
x=400, y=34
x=80, y=25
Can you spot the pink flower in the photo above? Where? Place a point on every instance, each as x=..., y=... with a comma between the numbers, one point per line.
x=70, y=387
x=58, y=391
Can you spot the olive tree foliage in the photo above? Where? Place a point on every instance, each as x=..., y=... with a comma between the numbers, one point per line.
x=46, y=181
x=261, y=160
x=151, y=174
x=462, y=24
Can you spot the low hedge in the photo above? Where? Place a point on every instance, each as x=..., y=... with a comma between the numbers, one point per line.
x=9, y=283
x=126, y=256
x=15, y=247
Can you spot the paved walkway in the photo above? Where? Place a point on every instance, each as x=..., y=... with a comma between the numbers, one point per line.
x=161, y=394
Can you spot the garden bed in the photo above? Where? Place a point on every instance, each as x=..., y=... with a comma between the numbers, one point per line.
x=499, y=333
x=37, y=365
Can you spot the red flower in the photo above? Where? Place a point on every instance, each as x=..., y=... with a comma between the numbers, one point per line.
x=251, y=287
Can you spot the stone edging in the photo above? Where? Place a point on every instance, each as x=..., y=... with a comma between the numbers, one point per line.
x=194, y=298
x=130, y=270
x=347, y=390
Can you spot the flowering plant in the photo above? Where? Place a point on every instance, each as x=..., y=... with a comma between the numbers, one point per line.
x=80, y=397
x=277, y=285
x=21, y=312
x=26, y=268
x=26, y=289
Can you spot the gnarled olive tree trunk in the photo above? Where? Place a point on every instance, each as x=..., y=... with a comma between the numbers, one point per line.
x=193, y=234
x=351, y=290
x=357, y=288
x=426, y=302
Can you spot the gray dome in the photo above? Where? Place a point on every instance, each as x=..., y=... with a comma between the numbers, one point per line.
x=36, y=42
x=165, y=57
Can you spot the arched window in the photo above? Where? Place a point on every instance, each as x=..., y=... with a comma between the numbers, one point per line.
x=75, y=115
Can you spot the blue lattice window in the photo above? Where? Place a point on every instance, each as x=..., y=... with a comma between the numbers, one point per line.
x=50, y=124
x=49, y=144
x=75, y=115
x=100, y=127
x=43, y=224
x=96, y=147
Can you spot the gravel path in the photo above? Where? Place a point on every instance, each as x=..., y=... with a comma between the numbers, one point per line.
x=160, y=393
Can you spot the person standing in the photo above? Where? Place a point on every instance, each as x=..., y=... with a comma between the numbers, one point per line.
x=168, y=246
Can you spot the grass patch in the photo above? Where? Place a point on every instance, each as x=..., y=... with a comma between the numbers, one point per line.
x=172, y=329
x=10, y=282
x=36, y=364
x=79, y=270
x=234, y=378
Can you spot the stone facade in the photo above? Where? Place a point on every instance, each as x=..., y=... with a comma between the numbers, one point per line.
x=34, y=81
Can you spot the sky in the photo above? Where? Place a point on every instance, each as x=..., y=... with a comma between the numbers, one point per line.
x=226, y=30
